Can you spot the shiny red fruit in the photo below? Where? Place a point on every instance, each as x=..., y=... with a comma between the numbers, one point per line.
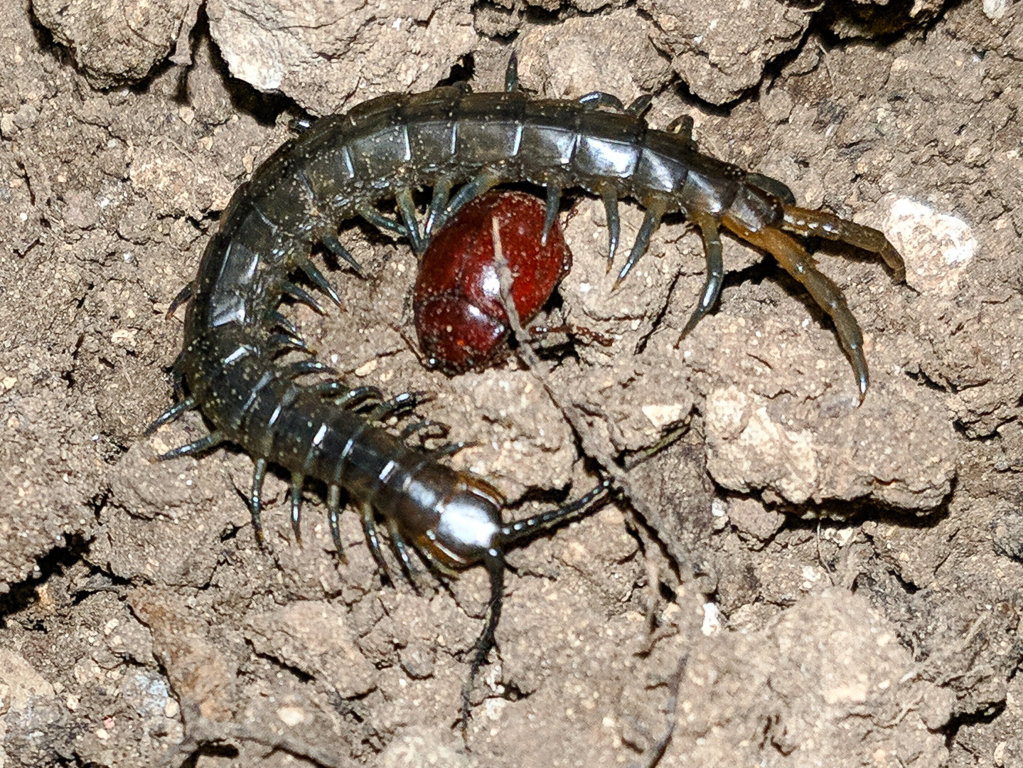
x=460, y=318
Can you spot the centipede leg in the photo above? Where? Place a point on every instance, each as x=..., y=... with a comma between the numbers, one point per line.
x=484, y=182
x=316, y=278
x=282, y=341
x=614, y=223
x=407, y=210
x=256, y=499
x=715, y=272
x=360, y=396
x=333, y=512
x=304, y=368
x=170, y=415
x=397, y=405
x=300, y=294
x=408, y=568
x=550, y=211
x=640, y=105
x=595, y=99
x=682, y=126
x=450, y=449
x=435, y=215
x=296, y=505
x=370, y=528
x=772, y=185
x=201, y=445
x=281, y=323
x=335, y=247
x=183, y=295
x=821, y=224
x=511, y=74
x=327, y=388
x=797, y=262
x=655, y=210
x=381, y=222
x=440, y=430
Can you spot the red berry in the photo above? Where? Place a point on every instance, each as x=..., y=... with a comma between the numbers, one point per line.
x=460, y=318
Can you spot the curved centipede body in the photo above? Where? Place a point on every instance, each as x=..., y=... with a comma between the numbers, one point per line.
x=299, y=416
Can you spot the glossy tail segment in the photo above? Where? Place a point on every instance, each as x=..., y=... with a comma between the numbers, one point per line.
x=795, y=260
x=830, y=227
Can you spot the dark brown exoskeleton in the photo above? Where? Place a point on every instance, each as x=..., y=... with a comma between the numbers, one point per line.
x=301, y=417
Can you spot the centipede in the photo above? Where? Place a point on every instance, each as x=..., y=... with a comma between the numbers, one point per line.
x=246, y=369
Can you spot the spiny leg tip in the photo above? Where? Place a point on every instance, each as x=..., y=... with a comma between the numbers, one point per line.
x=621, y=277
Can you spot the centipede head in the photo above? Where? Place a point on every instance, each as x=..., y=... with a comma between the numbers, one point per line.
x=454, y=518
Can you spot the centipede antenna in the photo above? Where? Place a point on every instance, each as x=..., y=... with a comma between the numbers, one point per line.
x=333, y=511
x=407, y=210
x=715, y=273
x=201, y=445
x=494, y=562
x=550, y=213
x=381, y=222
x=183, y=295
x=651, y=220
x=521, y=529
x=335, y=247
x=511, y=74
x=614, y=223
x=316, y=278
x=298, y=293
x=169, y=415
x=640, y=105
x=296, y=505
x=370, y=528
x=435, y=214
x=256, y=499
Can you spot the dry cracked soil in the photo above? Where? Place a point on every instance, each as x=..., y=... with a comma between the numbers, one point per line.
x=794, y=579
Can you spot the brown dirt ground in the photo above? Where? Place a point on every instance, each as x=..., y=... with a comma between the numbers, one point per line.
x=795, y=581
